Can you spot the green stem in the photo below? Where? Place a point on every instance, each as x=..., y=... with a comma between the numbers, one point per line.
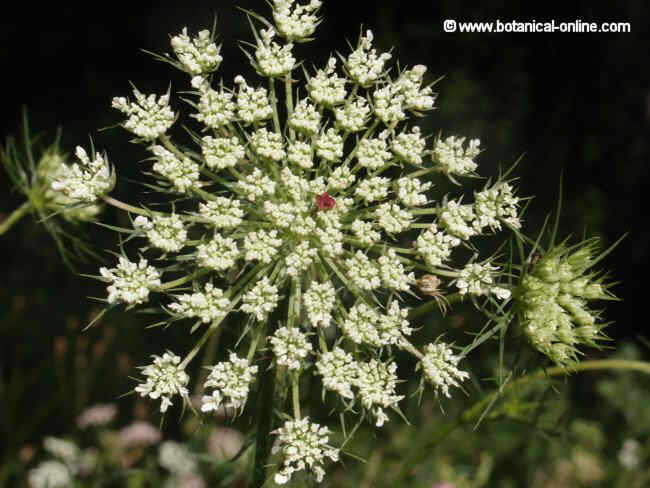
x=420, y=451
x=197, y=347
x=407, y=346
x=237, y=290
x=208, y=356
x=264, y=425
x=378, y=247
x=126, y=207
x=424, y=211
x=365, y=135
x=295, y=395
x=183, y=280
x=420, y=172
x=288, y=94
x=274, y=104
x=265, y=403
x=15, y=216
x=169, y=145
x=432, y=305
x=609, y=364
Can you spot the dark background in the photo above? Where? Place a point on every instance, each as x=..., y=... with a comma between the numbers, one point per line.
x=577, y=105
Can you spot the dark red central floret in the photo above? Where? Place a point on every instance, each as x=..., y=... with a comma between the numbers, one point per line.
x=325, y=201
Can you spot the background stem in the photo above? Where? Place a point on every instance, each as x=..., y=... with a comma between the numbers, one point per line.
x=15, y=216
x=473, y=413
x=266, y=400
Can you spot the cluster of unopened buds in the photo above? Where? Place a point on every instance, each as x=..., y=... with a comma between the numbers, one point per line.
x=553, y=301
x=308, y=204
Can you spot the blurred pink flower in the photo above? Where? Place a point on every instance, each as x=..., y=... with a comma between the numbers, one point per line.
x=191, y=481
x=139, y=433
x=224, y=442
x=443, y=484
x=97, y=415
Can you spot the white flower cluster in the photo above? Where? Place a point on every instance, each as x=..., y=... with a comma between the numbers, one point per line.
x=373, y=153
x=365, y=232
x=339, y=371
x=65, y=450
x=261, y=300
x=411, y=191
x=364, y=272
x=305, y=118
x=310, y=194
x=176, y=458
x=183, y=173
x=166, y=233
x=164, y=378
x=495, y=205
x=231, y=381
x=409, y=146
x=435, y=246
x=220, y=253
x=478, y=279
x=451, y=157
x=367, y=325
x=416, y=98
x=252, y=103
x=273, y=60
x=50, y=474
x=326, y=87
x=373, y=189
x=199, y=55
x=352, y=116
x=376, y=382
x=300, y=258
x=261, y=246
x=222, y=152
x=393, y=218
x=87, y=180
x=297, y=24
x=267, y=145
x=440, y=366
x=393, y=274
x=53, y=173
x=215, y=109
x=256, y=185
x=363, y=65
x=492, y=207
x=319, y=302
x=303, y=445
x=290, y=347
x=149, y=117
x=329, y=145
x=208, y=305
x=131, y=282
x=222, y=212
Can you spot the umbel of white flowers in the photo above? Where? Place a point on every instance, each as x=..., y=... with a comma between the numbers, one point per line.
x=306, y=204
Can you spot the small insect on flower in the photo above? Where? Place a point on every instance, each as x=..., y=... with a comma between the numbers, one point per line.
x=325, y=202
x=429, y=285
